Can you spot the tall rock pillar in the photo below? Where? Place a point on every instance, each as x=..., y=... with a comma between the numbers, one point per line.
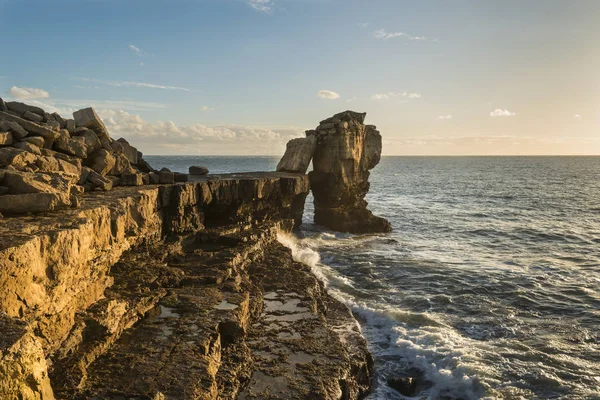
x=346, y=149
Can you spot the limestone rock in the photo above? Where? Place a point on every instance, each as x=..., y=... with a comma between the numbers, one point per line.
x=132, y=179
x=3, y=106
x=54, y=188
x=22, y=108
x=28, y=147
x=70, y=146
x=70, y=125
x=198, y=170
x=165, y=176
x=32, y=203
x=100, y=181
x=101, y=161
x=33, y=117
x=297, y=155
x=154, y=178
x=130, y=152
x=17, y=130
x=35, y=140
x=29, y=126
x=16, y=158
x=122, y=165
x=88, y=118
x=6, y=139
x=90, y=141
x=345, y=152
x=62, y=122
x=179, y=177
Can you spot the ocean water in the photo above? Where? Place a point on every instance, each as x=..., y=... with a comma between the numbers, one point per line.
x=489, y=285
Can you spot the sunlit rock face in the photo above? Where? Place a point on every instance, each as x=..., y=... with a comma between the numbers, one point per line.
x=346, y=150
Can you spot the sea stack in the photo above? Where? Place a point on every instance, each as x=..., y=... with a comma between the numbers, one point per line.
x=344, y=151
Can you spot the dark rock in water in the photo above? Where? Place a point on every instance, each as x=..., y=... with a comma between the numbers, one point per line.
x=407, y=386
x=345, y=152
x=198, y=170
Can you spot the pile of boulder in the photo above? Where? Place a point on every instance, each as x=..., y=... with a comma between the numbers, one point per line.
x=343, y=150
x=47, y=161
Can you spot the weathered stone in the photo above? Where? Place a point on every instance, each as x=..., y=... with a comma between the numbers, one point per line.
x=88, y=118
x=35, y=140
x=70, y=146
x=198, y=170
x=28, y=147
x=16, y=158
x=100, y=181
x=47, y=164
x=339, y=180
x=22, y=108
x=58, y=118
x=90, y=140
x=71, y=125
x=181, y=177
x=53, y=124
x=32, y=203
x=116, y=147
x=122, y=165
x=55, y=184
x=33, y=117
x=101, y=161
x=132, y=179
x=166, y=177
x=298, y=154
x=80, y=130
x=4, y=190
x=3, y=106
x=17, y=130
x=6, y=139
x=130, y=152
x=29, y=126
x=143, y=165
x=154, y=178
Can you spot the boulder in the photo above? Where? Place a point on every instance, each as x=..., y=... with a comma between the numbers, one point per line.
x=154, y=178
x=22, y=108
x=35, y=140
x=122, y=165
x=198, y=170
x=6, y=139
x=100, y=181
x=53, y=124
x=166, y=177
x=47, y=164
x=130, y=152
x=29, y=126
x=33, y=117
x=70, y=146
x=135, y=179
x=344, y=154
x=116, y=147
x=101, y=161
x=51, y=190
x=90, y=141
x=57, y=117
x=84, y=175
x=143, y=165
x=3, y=106
x=298, y=154
x=17, y=130
x=70, y=125
x=88, y=118
x=17, y=158
x=181, y=177
x=28, y=147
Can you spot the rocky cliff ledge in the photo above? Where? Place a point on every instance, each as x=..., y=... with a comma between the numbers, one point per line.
x=175, y=291
x=343, y=150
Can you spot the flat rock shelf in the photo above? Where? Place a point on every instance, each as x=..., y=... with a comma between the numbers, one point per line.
x=177, y=291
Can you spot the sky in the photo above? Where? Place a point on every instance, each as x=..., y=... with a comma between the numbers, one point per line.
x=242, y=77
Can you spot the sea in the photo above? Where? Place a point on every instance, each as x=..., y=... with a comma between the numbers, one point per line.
x=487, y=288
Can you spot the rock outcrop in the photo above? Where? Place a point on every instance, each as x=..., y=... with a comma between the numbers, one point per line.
x=343, y=150
x=173, y=292
x=35, y=143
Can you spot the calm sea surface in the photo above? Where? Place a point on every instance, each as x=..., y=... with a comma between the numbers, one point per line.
x=489, y=285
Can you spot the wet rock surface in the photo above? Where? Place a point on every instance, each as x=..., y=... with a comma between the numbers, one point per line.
x=173, y=292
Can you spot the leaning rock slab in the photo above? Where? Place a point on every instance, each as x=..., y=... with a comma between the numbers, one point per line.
x=29, y=126
x=297, y=155
x=88, y=118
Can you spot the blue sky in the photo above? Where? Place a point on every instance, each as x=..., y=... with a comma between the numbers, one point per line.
x=244, y=76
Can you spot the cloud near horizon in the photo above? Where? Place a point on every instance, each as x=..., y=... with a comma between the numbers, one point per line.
x=498, y=112
x=328, y=94
x=23, y=93
x=381, y=34
x=443, y=117
x=265, y=6
x=392, y=95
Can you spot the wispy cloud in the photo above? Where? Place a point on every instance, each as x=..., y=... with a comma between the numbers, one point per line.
x=206, y=108
x=265, y=6
x=363, y=25
x=328, y=94
x=577, y=116
x=444, y=117
x=132, y=84
x=351, y=99
x=382, y=34
x=498, y=112
x=136, y=50
x=24, y=93
x=393, y=95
